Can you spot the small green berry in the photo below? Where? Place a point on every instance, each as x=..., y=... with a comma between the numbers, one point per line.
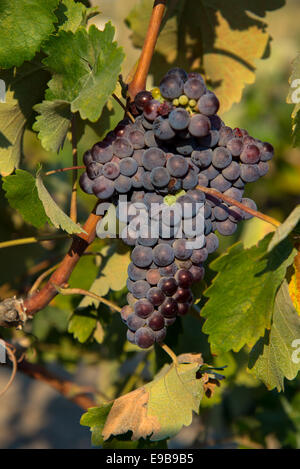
x=175, y=102
x=192, y=103
x=183, y=100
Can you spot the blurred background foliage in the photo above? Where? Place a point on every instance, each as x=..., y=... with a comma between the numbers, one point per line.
x=242, y=413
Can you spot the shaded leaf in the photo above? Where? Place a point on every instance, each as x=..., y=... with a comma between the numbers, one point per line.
x=222, y=39
x=285, y=228
x=241, y=297
x=72, y=14
x=25, y=87
x=53, y=123
x=83, y=323
x=160, y=408
x=23, y=28
x=85, y=79
x=95, y=418
x=112, y=272
x=58, y=218
x=22, y=195
x=275, y=357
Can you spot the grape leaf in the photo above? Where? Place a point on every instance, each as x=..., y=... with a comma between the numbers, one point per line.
x=87, y=78
x=241, y=296
x=83, y=323
x=285, y=228
x=294, y=284
x=58, y=218
x=53, y=123
x=25, y=87
x=116, y=259
x=159, y=409
x=71, y=15
x=294, y=98
x=274, y=357
x=222, y=39
x=22, y=195
x=95, y=418
x=23, y=28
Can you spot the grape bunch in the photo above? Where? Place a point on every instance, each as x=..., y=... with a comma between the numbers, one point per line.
x=176, y=143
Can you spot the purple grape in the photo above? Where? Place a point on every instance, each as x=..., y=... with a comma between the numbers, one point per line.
x=86, y=183
x=179, y=119
x=208, y=104
x=122, y=147
x=103, y=188
x=153, y=157
x=171, y=86
x=111, y=170
x=102, y=152
x=199, y=125
x=144, y=337
x=194, y=88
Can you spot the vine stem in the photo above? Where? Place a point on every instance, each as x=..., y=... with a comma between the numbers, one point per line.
x=60, y=170
x=139, y=80
x=42, y=277
x=128, y=114
x=61, y=275
x=231, y=201
x=73, y=207
x=31, y=240
x=170, y=352
x=80, y=291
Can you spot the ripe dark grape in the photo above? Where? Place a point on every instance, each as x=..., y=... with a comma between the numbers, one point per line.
x=153, y=276
x=179, y=119
x=128, y=166
x=87, y=157
x=221, y=158
x=122, y=147
x=208, y=104
x=184, y=278
x=156, y=321
x=94, y=170
x=86, y=183
x=249, y=172
x=142, y=256
x=250, y=154
x=155, y=296
x=232, y=172
x=162, y=129
x=194, y=88
x=183, y=309
x=251, y=204
x=102, y=152
x=220, y=183
x=151, y=112
x=160, y=177
x=168, y=285
x=177, y=166
x=226, y=227
x=169, y=308
x=140, y=288
x=144, y=337
x=142, y=98
x=136, y=273
x=103, y=188
x=197, y=273
x=143, y=308
x=179, y=73
x=136, y=138
x=163, y=255
x=160, y=335
x=199, y=125
x=153, y=157
x=235, y=146
x=123, y=184
x=267, y=151
x=134, y=322
x=111, y=170
x=171, y=86
x=203, y=158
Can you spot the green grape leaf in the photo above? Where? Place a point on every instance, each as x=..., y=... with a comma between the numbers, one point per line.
x=276, y=356
x=57, y=217
x=72, y=15
x=294, y=98
x=162, y=407
x=95, y=418
x=241, y=297
x=87, y=78
x=83, y=323
x=25, y=87
x=23, y=28
x=223, y=40
x=285, y=228
x=116, y=259
x=53, y=123
x=22, y=195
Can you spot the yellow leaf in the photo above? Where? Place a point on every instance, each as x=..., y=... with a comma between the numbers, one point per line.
x=294, y=285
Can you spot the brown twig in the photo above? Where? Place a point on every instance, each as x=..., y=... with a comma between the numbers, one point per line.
x=80, y=291
x=67, y=388
x=42, y=277
x=231, y=201
x=73, y=208
x=128, y=114
x=42, y=298
x=139, y=80
x=60, y=170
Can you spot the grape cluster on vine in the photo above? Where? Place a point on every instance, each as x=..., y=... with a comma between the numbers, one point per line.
x=176, y=143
